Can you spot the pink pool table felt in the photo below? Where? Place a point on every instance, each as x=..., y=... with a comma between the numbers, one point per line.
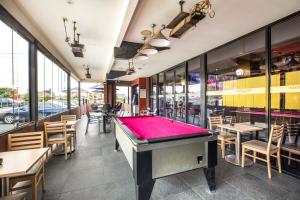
x=154, y=127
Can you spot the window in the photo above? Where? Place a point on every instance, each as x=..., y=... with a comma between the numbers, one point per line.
x=92, y=93
x=194, y=88
x=161, y=94
x=169, y=106
x=14, y=79
x=122, y=94
x=52, y=87
x=74, y=93
x=285, y=87
x=153, y=92
x=179, y=103
x=236, y=81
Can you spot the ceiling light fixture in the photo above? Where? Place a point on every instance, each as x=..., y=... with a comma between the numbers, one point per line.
x=239, y=72
x=77, y=48
x=147, y=49
x=130, y=69
x=158, y=39
x=87, y=74
x=141, y=56
x=185, y=22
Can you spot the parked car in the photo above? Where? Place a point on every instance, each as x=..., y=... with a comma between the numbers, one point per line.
x=9, y=102
x=11, y=115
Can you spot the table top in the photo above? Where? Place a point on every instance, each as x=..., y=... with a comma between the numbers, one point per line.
x=241, y=127
x=70, y=123
x=257, y=124
x=155, y=127
x=17, y=163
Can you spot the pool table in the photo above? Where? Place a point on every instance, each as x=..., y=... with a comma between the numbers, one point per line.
x=156, y=147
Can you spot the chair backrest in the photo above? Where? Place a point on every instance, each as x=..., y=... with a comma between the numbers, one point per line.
x=276, y=136
x=291, y=133
x=68, y=118
x=213, y=121
x=21, y=141
x=106, y=108
x=58, y=127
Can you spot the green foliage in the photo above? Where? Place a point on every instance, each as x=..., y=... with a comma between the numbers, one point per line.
x=6, y=92
x=26, y=97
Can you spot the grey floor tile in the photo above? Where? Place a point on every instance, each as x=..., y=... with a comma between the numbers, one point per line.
x=223, y=191
x=120, y=190
x=186, y=195
x=256, y=188
x=113, y=173
x=87, y=163
x=193, y=178
x=92, y=193
x=82, y=179
x=167, y=186
x=293, y=195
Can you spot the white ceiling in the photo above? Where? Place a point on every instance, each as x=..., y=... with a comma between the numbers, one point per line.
x=233, y=19
x=101, y=23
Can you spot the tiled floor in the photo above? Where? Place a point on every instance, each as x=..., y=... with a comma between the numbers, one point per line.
x=95, y=171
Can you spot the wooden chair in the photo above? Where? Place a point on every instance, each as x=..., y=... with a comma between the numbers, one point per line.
x=18, y=196
x=268, y=149
x=72, y=131
x=68, y=118
x=290, y=142
x=56, y=133
x=21, y=141
x=224, y=137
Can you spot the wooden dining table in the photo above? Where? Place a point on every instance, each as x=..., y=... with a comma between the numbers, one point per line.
x=18, y=163
x=239, y=129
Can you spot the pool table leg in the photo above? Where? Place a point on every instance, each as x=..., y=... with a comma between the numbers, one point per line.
x=142, y=173
x=210, y=178
x=212, y=161
x=117, y=145
x=143, y=192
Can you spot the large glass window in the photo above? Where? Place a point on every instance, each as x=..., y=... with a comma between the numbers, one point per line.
x=236, y=81
x=179, y=103
x=161, y=94
x=74, y=92
x=14, y=83
x=91, y=93
x=52, y=87
x=153, y=92
x=285, y=87
x=169, y=85
x=122, y=94
x=194, y=88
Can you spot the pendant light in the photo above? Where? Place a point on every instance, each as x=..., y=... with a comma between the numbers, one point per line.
x=141, y=56
x=158, y=39
x=147, y=49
